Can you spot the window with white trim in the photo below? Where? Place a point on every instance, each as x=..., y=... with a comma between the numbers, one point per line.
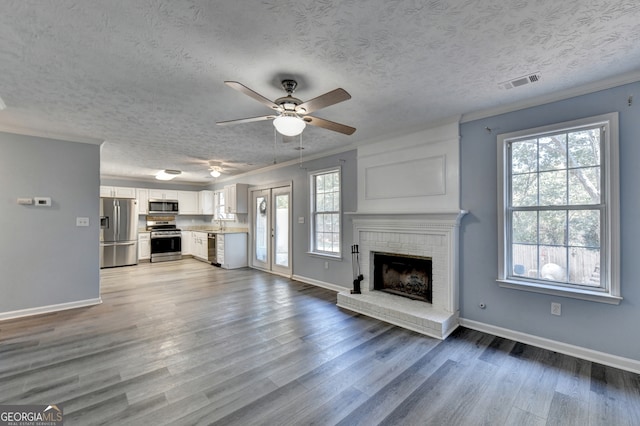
x=219, y=202
x=325, y=212
x=558, y=209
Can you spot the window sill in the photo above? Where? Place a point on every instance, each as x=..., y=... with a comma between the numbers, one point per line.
x=325, y=255
x=592, y=296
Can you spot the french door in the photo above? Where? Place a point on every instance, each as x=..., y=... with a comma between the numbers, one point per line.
x=271, y=229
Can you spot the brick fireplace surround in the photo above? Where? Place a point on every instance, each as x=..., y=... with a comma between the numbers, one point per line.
x=427, y=235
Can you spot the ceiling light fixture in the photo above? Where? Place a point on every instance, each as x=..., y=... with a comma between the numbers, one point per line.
x=215, y=171
x=167, y=174
x=289, y=124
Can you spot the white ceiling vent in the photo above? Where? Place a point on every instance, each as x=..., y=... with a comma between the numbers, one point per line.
x=520, y=81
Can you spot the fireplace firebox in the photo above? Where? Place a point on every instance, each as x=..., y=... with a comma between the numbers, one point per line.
x=403, y=275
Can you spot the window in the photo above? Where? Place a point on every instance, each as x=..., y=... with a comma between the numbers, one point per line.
x=325, y=212
x=558, y=209
x=220, y=213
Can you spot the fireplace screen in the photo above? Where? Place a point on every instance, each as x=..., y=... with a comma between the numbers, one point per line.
x=403, y=275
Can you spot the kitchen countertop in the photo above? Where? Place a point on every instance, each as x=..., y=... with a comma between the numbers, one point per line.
x=198, y=229
x=217, y=230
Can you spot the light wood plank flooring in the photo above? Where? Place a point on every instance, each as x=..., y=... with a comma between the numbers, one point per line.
x=185, y=343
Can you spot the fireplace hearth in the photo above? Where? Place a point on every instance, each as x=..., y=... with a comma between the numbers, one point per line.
x=403, y=275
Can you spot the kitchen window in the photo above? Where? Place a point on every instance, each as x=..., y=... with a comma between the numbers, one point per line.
x=325, y=212
x=219, y=201
x=558, y=209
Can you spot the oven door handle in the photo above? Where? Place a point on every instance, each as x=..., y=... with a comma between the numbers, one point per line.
x=165, y=236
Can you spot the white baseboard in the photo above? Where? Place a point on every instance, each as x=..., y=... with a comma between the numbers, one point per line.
x=317, y=283
x=615, y=361
x=48, y=309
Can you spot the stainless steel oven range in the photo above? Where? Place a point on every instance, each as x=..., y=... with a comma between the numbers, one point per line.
x=166, y=239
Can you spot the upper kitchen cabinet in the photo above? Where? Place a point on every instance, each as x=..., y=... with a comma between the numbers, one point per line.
x=117, y=192
x=142, y=194
x=188, y=202
x=236, y=198
x=206, y=202
x=163, y=194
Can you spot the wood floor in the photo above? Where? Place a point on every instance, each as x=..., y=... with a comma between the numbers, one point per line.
x=185, y=343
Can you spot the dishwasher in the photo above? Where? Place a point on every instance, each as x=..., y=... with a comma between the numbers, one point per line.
x=212, y=253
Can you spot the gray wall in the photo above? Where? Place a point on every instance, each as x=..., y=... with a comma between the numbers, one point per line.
x=45, y=259
x=607, y=328
x=306, y=265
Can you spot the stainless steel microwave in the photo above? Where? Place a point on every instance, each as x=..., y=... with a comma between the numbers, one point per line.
x=158, y=206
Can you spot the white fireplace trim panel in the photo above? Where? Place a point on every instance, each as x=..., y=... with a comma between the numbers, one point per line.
x=426, y=235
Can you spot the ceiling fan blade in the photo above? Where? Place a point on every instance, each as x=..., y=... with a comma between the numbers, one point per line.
x=246, y=120
x=329, y=125
x=257, y=96
x=330, y=98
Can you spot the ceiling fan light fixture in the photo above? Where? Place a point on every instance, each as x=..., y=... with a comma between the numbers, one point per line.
x=215, y=172
x=167, y=174
x=289, y=124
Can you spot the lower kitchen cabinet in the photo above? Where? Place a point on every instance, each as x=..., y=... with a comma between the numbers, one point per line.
x=144, y=246
x=232, y=250
x=200, y=245
x=185, y=242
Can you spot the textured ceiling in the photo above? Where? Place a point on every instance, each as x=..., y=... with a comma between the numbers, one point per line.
x=147, y=76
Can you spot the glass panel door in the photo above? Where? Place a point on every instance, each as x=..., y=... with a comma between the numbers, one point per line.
x=281, y=199
x=261, y=229
x=271, y=209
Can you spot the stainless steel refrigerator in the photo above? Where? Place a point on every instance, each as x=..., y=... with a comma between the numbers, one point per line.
x=118, y=232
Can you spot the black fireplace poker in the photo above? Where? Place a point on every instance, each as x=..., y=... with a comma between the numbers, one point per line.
x=355, y=264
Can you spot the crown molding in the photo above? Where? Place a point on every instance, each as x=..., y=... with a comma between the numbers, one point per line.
x=557, y=96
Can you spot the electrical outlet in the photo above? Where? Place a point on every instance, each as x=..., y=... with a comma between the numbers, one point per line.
x=326, y=265
x=556, y=308
x=82, y=221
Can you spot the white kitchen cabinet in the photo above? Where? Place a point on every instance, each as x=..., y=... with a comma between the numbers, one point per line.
x=200, y=247
x=144, y=246
x=236, y=198
x=188, y=202
x=186, y=242
x=117, y=192
x=232, y=250
x=206, y=202
x=142, y=194
x=163, y=194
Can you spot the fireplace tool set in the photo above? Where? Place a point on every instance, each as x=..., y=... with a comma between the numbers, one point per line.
x=355, y=265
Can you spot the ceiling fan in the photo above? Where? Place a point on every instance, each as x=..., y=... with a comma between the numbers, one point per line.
x=216, y=168
x=291, y=113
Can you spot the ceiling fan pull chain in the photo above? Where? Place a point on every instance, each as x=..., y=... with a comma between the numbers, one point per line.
x=300, y=149
x=275, y=145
